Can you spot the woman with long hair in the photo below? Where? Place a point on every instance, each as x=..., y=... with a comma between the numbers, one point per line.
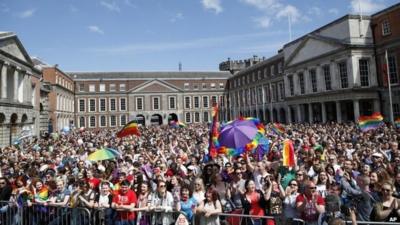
x=323, y=184
x=388, y=210
x=199, y=192
x=254, y=203
x=143, y=202
x=210, y=207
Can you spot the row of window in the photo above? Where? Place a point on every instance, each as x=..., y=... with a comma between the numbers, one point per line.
x=364, y=72
x=194, y=117
x=102, y=121
x=65, y=103
x=102, y=87
x=259, y=95
x=65, y=83
x=268, y=71
x=201, y=101
x=204, y=86
x=102, y=105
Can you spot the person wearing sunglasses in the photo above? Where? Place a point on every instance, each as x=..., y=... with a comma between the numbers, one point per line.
x=5, y=189
x=388, y=210
x=310, y=204
x=289, y=203
x=162, y=202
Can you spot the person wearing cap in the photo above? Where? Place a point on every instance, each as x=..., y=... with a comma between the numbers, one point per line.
x=377, y=161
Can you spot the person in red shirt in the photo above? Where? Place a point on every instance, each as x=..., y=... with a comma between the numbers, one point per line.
x=124, y=202
x=310, y=204
x=93, y=181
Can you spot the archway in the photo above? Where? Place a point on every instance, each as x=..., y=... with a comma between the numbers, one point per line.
x=24, y=118
x=13, y=127
x=2, y=118
x=172, y=117
x=156, y=119
x=282, y=113
x=140, y=119
x=275, y=115
x=261, y=115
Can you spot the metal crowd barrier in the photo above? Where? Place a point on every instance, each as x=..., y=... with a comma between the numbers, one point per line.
x=373, y=223
x=238, y=218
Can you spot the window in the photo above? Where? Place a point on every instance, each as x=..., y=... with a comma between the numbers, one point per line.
x=156, y=103
x=103, y=121
x=313, y=76
x=212, y=85
x=301, y=83
x=253, y=77
x=393, y=70
x=204, y=86
x=113, y=121
x=187, y=102
x=259, y=75
x=272, y=70
x=196, y=117
x=102, y=103
x=82, y=121
x=187, y=117
x=213, y=100
x=195, y=86
x=122, y=104
x=122, y=120
x=92, y=121
x=266, y=93
x=112, y=87
x=81, y=105
x=139, y=103
x=385, y=28
x=196, y=102
x=81, y=87
x=222, y=100
x=221, y=85
x=92, y=105
x=113, y=104
x=172, y=102
x=259, y=95
x=186, y=86
x=122, y=87
x=280, y=67
x=102, y=88
x=92, y=88
x=343, y=75
x=206, y=117
x=291, y=85
x=327, y=75
x=282, y=91
x=396, y=110
x=205, y=102
x=274, y=93
x=265, y=73
x=364, y=72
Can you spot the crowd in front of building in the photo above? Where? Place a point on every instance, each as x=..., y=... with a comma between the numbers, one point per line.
x=340, y=171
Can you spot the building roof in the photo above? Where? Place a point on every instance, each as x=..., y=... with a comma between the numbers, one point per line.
x=147, y=75
x=388, y=9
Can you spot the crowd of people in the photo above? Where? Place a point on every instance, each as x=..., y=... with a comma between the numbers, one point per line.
x=341, y=173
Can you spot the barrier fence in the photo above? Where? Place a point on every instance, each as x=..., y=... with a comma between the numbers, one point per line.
x=12, y=213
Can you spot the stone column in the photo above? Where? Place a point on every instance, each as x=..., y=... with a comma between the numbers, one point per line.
x=299, y=119
x=377, y=105
x=289, y=115
x=310, y=113
x=4, y=70
x=356, y=106
x=16, y=83
x=323, y=112
x=338, y=112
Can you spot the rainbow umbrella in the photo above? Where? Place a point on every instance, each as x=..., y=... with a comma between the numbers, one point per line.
x=104, y=154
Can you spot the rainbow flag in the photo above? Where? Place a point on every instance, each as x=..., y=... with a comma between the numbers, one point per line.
x=129, y=129
x=372, y=122
x=213, y=143
x=177, y=124
x=43, y=194
x=288, y=154
x=278, y=128
x=397, y=123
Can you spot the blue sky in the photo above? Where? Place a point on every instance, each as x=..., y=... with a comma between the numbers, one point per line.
x=155, y=35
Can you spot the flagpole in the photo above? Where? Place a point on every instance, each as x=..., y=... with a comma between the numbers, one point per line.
x=390, y=88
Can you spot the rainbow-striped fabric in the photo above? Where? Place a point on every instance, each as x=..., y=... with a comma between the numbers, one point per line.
x=372, y=122
x=288, y=154
x=278, y=128
x=129, y=129
x=397, y=123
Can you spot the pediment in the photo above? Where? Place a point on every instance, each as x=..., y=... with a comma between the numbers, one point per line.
x=155, y=86
x=13, y=46
x=312, y=48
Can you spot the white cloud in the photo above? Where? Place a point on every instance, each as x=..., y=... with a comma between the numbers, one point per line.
x=176, y=17
x=263, y=22
x=314, y=10
x=95, y=29
x=129, y=3
x=367, y=6
x=138, y=48
x=264, y=4
x=212, y=5
x=26, y=14
x=333, y=11
x=291, y=11
x=112, y=6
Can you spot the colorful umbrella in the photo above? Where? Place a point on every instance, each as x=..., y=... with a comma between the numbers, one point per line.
x=104, y=154
x=240, y=136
